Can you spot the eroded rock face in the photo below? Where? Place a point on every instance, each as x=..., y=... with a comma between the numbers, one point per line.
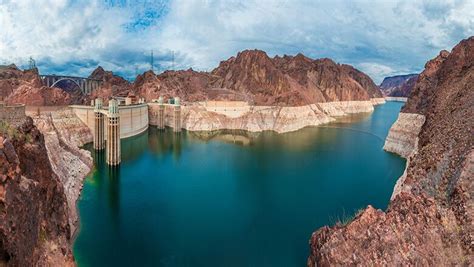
x=24, y=87
x=34, y=228
x=402, y=138
x=430, y=219
x=398, y=86
x=260, y=118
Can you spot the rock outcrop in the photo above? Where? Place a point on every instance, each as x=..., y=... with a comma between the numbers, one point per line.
x=34, y=228
x=398, y=86
x=430, y=219
x=24, y=87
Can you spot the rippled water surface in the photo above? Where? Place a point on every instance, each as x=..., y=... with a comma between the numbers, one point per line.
x=233, y=198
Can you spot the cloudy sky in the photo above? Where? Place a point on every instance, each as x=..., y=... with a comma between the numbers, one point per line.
x=381, y=38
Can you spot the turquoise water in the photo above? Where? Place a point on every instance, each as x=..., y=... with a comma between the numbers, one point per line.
x=233, y=198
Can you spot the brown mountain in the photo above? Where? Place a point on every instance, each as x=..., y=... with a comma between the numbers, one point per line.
x=17, y=86
x=187, y=84
x=398, y=86
x=429, y=221
x=255, y=77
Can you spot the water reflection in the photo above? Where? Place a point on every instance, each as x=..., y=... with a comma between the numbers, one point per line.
x=162, y=141
x=238, y=137
x=113, y=174
x=134, y=146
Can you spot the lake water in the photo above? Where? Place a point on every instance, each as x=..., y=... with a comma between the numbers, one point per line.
x=233, y=198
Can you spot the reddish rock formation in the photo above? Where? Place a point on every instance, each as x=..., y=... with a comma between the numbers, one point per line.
x=187, y=84
x=34, y=229
x=398, y=86
x=112, y=85
x=431, y=222
x=24, y=87
x=253, y=76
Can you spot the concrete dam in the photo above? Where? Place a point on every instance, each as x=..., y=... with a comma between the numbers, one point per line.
x=123, y=119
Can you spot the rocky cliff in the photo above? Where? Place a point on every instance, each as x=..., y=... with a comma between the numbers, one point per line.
x=24, y=87
x=398, y=86
x=34, y=228
x=63, y=134
x=430, y=218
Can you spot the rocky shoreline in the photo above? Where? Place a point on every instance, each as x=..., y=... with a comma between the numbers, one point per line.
x=266, y=118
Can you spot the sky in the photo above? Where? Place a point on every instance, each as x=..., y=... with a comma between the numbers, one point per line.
x=381, y=38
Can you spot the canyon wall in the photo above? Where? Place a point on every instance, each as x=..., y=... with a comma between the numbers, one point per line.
x=429, y=220
x=34, y=227
x=228, y=116
x=398, y=86
x=63, y=134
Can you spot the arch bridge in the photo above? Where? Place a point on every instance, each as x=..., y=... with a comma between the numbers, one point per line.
x=86, y=85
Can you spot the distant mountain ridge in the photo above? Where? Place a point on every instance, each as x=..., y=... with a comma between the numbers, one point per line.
x=251, y=76
x=255, y=77
x=399, y=85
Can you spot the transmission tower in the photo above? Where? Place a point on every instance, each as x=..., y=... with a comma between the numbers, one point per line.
x=32, y=63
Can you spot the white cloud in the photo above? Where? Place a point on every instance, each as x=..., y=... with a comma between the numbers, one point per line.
x=381, y=38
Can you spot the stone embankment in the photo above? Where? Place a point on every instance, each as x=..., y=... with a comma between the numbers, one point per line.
x=261, y=118
x=63, y=134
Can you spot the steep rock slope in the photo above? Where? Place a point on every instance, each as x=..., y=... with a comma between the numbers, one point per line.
x=398, y=86
x=34, y=229
x=430, y=218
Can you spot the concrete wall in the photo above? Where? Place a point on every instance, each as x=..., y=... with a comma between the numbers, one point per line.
x=14, y=114
x=133, y=118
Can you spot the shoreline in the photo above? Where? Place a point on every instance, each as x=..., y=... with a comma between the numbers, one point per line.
x=261, y=118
